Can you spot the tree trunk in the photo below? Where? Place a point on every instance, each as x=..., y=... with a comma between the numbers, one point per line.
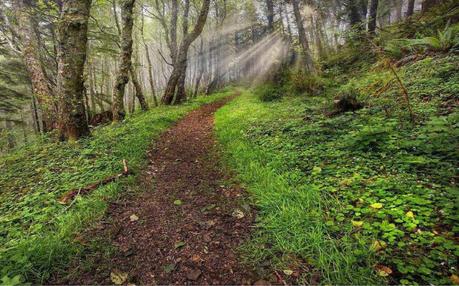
x=398, y=10
x=72, y=41
x=270, y=15
x=179, y=66
x=122, y=76
x=410, y=9
x=150, y=66
x=33, y=63
x=354, y=15
x=181, y=92
x=302, y=37
x=372, y=16
x=138, y=89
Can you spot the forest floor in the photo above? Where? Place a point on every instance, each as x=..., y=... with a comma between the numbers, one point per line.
x=187, y=224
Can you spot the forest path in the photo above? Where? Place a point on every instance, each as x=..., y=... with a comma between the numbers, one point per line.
x=186, y=227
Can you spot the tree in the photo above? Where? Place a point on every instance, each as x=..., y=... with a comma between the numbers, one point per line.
x=33, y=62
x=270, y=14
x=410, y=8
x=71, y=56
x=355, y=18
x=181, y=58
x=122, y=75
x=373, y=14
x=302, y=37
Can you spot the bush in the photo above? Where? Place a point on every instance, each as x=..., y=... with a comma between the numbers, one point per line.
x=301, y=82
x=268, y=92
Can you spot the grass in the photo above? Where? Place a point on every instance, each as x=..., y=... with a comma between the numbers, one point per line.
x=360, y=198
x=38, y=236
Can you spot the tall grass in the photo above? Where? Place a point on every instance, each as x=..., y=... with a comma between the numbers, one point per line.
x=290, y=225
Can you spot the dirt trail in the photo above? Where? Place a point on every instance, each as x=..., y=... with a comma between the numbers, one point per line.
x=190, y=219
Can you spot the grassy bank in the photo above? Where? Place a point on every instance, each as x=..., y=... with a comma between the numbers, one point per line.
x=37, y=234
x=359, y=197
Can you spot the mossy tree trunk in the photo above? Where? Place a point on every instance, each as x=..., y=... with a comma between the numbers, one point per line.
x=125, y=62
x=34, y=64
x=302, y=37
x=72, y=42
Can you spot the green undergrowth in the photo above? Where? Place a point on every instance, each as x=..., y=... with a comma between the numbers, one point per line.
x=361, y=197
x=37, y=234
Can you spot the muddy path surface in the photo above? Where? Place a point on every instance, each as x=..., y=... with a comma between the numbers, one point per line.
x=187, y=225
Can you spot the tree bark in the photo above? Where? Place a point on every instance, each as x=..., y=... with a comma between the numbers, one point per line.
x=72, y=41
x=410, y=9
x=150, y=66
x=302, y=37
x=122, y=76
x=180, y=64
x=372, y=16
x=33, y=63
x=181, y=91
x=138, y=89
x=354, y=15
x=270, y=15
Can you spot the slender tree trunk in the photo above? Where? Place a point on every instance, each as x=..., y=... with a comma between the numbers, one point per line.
x=138, y=89
x=35, y=119
x=150, y=66
x=302, y=37
x=410, y=9
x=182, y=54
x=270, y=15
x=398, y=9
x=372, y=16
x=354, y=15
x=72, y=42
x=122, y=76
x=33, y=63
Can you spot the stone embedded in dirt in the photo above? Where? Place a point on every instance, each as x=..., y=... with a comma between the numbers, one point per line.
x=134, y=217
x=237, y=213
x=193, y=274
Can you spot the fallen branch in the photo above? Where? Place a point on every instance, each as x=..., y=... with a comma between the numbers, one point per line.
x=72, y=194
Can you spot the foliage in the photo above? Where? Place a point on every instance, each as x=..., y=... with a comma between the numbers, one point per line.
x=37, y=234
x=444, y=41
x=268, y=92
x=301, y=82
x=363, y=197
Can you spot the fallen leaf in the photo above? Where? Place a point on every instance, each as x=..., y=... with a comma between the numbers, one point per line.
x=178, y=202
x=118, y=277
x=134, y=217
x=378, y=245
x=237, y=213
x=454, y=278
x=179, y=244
x=288, y=272
x=376, y=205
x=196, y=258
x=357, y=223
x=383, y=270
